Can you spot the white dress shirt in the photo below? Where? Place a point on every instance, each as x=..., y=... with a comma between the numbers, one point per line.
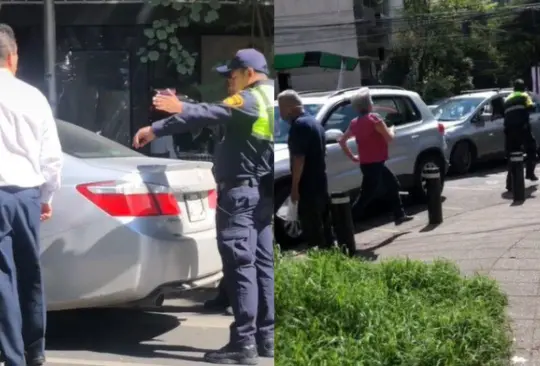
x=30, y=151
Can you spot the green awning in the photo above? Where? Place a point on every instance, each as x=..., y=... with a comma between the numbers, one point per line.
x=323, y=60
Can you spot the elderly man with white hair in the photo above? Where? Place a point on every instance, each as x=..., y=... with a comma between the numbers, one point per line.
x=309, y=188
x=372, y=139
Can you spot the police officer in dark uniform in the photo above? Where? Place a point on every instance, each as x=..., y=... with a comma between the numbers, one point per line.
x=517, y=130
x=243, y=170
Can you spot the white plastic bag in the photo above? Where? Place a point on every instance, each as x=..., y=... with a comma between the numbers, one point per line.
x=288, y=211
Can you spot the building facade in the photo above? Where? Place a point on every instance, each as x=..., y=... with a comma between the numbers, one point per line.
x=102, y=83
x=350, y=28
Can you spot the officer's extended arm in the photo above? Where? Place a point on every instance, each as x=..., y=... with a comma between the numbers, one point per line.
x=195, y=116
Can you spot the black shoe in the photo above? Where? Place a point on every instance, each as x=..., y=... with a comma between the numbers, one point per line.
x=216, y=304
x=402, y=219
x=35, y=361
x=532, y=177
x=233, y=355
x=266, y=348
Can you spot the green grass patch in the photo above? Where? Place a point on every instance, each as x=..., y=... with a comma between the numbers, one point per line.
x=333, y=310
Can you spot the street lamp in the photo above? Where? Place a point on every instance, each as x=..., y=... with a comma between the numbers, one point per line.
x=49, y=23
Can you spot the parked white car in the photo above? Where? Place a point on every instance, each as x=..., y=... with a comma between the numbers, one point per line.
x=419, y=143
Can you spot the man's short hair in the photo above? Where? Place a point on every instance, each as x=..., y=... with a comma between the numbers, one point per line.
x=290, y=97
x=361, y=100
x=8, y=44
x=519, y=85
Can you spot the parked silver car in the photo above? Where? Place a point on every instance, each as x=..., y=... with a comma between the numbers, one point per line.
x=419, y=143
x=126, y=227
x=474, y=127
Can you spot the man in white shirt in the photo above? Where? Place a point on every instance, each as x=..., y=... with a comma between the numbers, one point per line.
x=30, y=167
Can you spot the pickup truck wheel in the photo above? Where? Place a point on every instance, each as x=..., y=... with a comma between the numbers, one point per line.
x=287, y=235
x=419, y=190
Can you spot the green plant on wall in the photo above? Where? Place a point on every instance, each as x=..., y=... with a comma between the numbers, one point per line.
x=162, y=36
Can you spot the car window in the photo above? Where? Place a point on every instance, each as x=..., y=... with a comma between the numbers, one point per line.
x=455, y=109
x=341, y=117
x=84, y=144
x=281, y=128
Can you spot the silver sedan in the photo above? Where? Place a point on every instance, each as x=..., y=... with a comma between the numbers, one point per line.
x=126, y=228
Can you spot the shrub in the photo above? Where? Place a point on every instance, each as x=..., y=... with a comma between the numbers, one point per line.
x=333, y=310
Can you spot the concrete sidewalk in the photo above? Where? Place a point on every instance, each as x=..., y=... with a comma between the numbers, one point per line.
x=502, y=241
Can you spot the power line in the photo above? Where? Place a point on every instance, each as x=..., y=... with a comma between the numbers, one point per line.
x=387, y=33
x=428, y=17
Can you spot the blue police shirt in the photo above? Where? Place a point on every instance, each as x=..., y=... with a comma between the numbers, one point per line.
x=306, y=138
x=240, y=155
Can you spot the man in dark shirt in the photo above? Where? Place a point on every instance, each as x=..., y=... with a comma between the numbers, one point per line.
x=309, y=188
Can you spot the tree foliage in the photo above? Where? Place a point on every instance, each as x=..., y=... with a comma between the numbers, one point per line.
x=444, y=47
x=162, y=35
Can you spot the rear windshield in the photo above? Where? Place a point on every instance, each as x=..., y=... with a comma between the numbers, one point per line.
x=83, y=144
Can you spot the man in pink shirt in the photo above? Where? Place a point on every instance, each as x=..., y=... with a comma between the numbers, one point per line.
x=372, y=138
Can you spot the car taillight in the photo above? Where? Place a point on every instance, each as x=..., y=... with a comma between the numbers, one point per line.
x=440, y=126
x=128, y=199
x=212, y=199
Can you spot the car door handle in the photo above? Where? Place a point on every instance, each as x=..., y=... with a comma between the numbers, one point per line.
x=415, y=136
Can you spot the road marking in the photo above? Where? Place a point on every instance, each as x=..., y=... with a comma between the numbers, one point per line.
x=452, y=208
x=470, y=188
x=385, y=230
x=73, y=361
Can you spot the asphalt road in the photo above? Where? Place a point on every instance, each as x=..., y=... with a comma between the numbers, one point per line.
x=179, y=334
x=176, y=334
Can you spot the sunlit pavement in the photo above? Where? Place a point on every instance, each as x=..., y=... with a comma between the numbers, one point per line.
x=177, y=334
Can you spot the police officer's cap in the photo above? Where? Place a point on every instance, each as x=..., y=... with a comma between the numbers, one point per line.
x=519, y=85
x=245, y=58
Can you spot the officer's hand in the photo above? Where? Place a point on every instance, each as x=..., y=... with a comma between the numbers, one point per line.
x=143, y=137
x=167, y=103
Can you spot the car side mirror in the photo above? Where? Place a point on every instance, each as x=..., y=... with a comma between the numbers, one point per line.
x=333, y=135
x=486, y=117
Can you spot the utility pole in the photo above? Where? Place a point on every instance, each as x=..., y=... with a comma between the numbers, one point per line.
x=49, y=23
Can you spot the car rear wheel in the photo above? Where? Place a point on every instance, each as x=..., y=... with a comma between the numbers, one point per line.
x=429, y=160
x=462, y=158
x=286, y=234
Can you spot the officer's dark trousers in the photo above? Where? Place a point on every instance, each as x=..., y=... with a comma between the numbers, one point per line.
x=245, y=241
x=520, y=140
x=378, y=182
x=314, y=216
x=22, y=308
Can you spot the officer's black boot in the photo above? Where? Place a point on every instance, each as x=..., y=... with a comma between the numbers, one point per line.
x=266, y=348
x=234, y=355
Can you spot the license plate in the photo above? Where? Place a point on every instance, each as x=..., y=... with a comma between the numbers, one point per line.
x=195, y=207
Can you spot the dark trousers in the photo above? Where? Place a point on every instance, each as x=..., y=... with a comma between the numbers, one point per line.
x=245, y=242
x=379, y=181
x=520, y=139
x=315, y=220
x=22, y=304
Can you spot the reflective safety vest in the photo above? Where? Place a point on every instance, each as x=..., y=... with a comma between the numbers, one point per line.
x=516, y=109
x=263, y=127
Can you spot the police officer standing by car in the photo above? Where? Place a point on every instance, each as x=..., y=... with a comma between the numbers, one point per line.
x=244, y=172
x=517, y=130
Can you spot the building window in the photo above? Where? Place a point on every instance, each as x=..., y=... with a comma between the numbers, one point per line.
x=94, y=92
